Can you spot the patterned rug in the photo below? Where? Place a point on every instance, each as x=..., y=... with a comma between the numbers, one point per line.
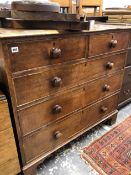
x=111, y=154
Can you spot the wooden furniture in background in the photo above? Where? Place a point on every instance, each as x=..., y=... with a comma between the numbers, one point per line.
x=61, y=84
x=125, y=95
x=96, y=5
x=66, y=5
x=118, y=15
x=9, y=163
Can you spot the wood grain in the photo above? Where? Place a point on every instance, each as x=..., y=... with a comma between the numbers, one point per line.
x=72, y=48
x=9, y=163
x=100, y=44
x=71, y=75
x=69, y=101
x=44, y=140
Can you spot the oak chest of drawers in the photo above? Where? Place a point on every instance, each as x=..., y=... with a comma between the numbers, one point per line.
x=60, y=86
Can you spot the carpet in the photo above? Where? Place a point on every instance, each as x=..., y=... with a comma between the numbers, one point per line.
x=111, y=153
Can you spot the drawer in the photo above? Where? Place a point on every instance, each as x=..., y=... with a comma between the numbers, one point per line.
x=105, y=43
x=49, y=138
x=40, y=84
x=128, y=63
x=98, y=111
x=127, y=75
x=56, y=107
x=32, y=54
x=125, y=93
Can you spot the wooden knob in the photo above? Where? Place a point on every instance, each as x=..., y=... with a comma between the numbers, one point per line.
x=56, y=82
x=109, y=65
x=55, y=53
x=58, y=134
x=113, y=43
x=57, y=109
x=103, y=109
x=106, y=87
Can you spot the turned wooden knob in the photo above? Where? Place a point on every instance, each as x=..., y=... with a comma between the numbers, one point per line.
x=113, y=43
x=106, y=87
x=103, y=109
x=58, y=134
x=56, y=82
x=57, y=109
x=55, y=53
x=109, y=65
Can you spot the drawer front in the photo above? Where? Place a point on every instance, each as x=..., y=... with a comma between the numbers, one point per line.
x=99, y=110
x=127, y=75
x=32, y=54
x=110, y=42
x=125, y=93
x=128, y=63
x=35, y=86
x=49, y=138
x=53, y=109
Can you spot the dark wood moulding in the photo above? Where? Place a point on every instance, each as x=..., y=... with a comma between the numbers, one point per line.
x=34, y=24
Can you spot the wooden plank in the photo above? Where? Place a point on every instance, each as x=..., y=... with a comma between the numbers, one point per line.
x=4, y=13
x=35, y=6
x=44, y=16
x=13, y=167
x=58, y=25
x=9, y=163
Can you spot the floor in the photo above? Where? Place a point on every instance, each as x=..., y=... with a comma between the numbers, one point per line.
x=67, y=161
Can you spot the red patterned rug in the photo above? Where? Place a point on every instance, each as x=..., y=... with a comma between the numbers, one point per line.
x=111, y=154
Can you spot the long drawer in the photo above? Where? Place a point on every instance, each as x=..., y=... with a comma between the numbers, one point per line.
x=31, y=54
x=43, y=82
x=127, y=75
x=58, y=106
x=49, y=138
x=106, y=43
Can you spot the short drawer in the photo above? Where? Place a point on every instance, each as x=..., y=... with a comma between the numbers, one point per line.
x=32, y=54
x=125, y=93
x=127, y=75
x=109, y=42
x=44, y=82
x=56, y=107
x=49, y=138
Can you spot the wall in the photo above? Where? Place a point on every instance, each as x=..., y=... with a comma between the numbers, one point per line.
x=116, y=3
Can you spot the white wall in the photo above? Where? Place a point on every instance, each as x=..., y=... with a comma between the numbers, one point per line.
x=116, y=3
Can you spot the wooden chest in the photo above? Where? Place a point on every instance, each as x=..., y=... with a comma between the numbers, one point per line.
x=125, y=94
x=60, y=86
x=9, y=163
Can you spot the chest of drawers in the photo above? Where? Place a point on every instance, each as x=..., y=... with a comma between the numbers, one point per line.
x=125, y=94
x=60, y=86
